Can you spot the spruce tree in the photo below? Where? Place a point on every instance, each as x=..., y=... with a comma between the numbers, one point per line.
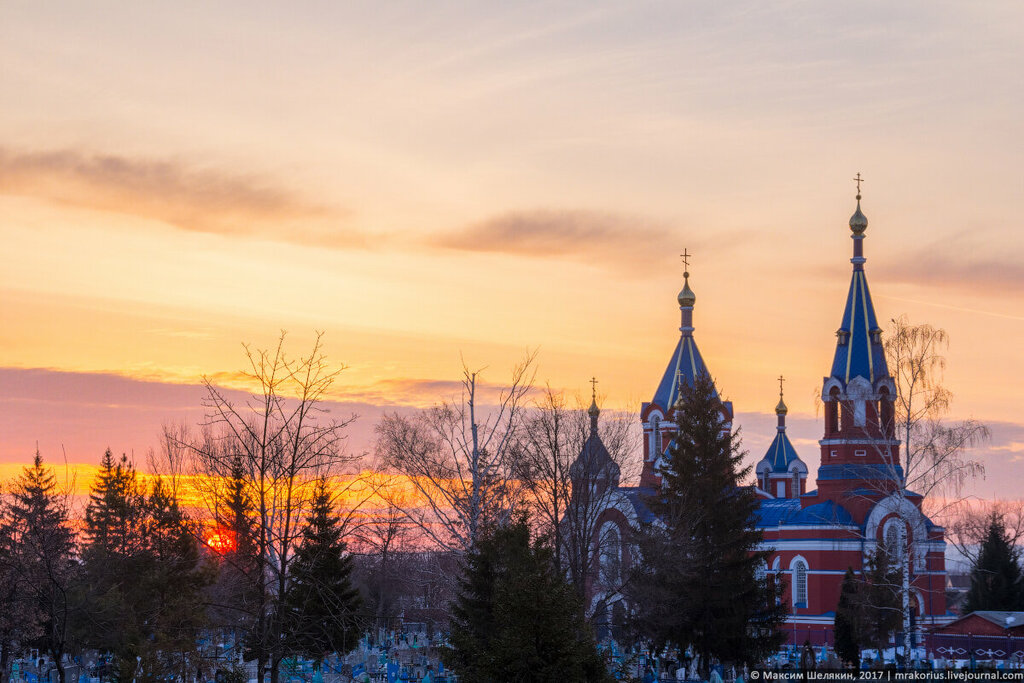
x=41, y=547
x=996, y=581
x=321, y=605
x=847, y=624
x=516, y=618
x=706, y=556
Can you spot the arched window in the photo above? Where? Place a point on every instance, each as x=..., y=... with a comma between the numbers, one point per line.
x=655, y=437
x=894, y=537
x=799, y=583
x=610, y=557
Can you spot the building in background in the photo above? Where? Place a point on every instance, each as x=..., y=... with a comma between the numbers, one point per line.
x=859, y=507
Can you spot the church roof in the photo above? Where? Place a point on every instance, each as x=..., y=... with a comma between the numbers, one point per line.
x=686, y=364
x=828, y=512
x=858, y=351
x=594, y=460
x=772, y=512
x=787, y=512
x=636, y=496
x=781, y=453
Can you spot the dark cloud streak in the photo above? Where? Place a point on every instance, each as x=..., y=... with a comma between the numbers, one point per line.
x=187, y=196
x=620, y=241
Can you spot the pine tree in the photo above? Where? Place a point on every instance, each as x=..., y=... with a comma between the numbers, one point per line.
x=996, y=581
x=42, y=546
x=516, y=618
x=321, y=605
x=847, y=624
x=705, y=558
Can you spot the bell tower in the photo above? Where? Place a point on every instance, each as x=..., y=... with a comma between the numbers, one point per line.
x=859, y=451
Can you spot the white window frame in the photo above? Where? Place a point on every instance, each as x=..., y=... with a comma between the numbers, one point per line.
x=798, y=582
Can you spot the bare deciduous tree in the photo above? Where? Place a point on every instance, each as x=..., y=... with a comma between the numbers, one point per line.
x=275, y=446
x=456, y=456
x=569, y=465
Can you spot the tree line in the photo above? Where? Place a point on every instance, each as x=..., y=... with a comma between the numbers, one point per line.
x=495, y=536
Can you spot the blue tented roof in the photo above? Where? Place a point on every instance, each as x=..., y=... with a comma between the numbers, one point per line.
x=859, y=355
x=781, y=453
x=685, y=364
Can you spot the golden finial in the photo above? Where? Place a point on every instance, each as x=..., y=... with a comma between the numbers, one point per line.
x=593, y=410
x=781, y=409
x=686, y=296
x=858, y=221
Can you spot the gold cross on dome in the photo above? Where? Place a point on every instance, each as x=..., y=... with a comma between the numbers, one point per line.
x=593, y=387
x=686, y=259
x=781, y=380
x=859, y=180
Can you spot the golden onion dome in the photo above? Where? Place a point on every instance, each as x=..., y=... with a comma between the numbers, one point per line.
x=686, y=296
x=858, y=221
x=781, y=409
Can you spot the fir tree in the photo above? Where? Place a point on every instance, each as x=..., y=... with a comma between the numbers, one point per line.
x=516, y=618
x=115, y=510
x=996, y=581
x=41, y=546
x=113, y=559
x=878, y=603
x=848, y=622
x=240, y=581
x=705, y=558
x=171, y=605
x=321, y=605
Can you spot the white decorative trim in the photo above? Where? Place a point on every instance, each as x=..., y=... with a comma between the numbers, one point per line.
x=809, y=544
x=859, y=442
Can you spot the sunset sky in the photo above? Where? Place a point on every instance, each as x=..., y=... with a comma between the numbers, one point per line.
x=430, y=181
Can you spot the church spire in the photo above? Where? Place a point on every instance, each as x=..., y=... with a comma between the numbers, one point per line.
x=686, y=297
x=593, y=410
x=781, y=409
x=859, y=350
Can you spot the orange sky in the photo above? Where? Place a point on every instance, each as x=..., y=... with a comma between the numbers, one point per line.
x=428, y=181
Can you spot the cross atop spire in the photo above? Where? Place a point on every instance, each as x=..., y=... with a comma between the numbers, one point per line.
x=593, y=410
x=781, y=408
x=686, y=259
x=858, y=180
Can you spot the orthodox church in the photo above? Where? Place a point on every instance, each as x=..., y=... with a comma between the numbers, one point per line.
x=813, y=536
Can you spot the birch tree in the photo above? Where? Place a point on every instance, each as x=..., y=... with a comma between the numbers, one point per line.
x=936, y=458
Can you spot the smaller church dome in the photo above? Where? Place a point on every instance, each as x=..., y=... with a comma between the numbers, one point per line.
x=686, y=296
x=858, y=221
x=593, y=410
